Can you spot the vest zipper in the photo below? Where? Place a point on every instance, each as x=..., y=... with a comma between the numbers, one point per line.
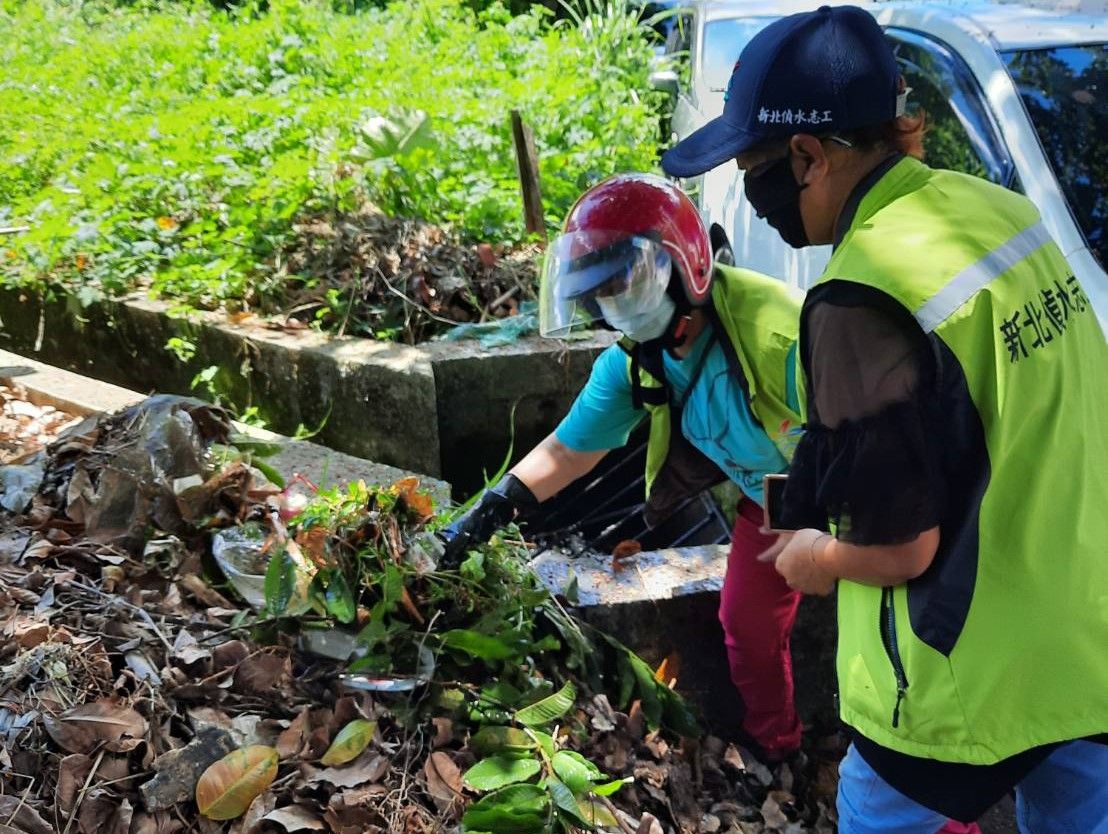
x=888, y=637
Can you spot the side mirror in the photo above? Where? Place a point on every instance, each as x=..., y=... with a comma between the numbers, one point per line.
x=721, y=246
x=665, y=80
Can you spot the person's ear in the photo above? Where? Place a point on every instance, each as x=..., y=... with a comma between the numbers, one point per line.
x=812, y=156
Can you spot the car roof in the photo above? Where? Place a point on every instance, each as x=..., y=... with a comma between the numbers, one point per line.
x=721, y=9
x=1009, y=25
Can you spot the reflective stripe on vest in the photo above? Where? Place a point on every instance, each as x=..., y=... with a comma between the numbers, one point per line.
x=963, y=286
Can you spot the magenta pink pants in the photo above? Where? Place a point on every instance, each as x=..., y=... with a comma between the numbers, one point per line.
x=757, y=610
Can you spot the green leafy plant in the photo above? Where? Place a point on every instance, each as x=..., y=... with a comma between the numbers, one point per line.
x=497, y=651
x=531, y=785
x=183, y=349
x=174, y=147
x=217, y=385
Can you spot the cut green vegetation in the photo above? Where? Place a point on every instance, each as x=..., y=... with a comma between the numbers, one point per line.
x=500, y=654
x=204, y=155
x=352, y=556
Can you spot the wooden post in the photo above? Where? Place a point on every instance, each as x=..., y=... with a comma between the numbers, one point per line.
x=527, y=164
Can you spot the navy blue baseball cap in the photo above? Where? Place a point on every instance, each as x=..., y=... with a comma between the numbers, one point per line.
x=816, y=72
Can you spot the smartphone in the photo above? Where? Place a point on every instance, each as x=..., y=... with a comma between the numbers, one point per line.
x=773, y=491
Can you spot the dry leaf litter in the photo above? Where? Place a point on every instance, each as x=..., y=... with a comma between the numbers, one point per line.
x=26, y=427
x=129, y=666
x=398, y=278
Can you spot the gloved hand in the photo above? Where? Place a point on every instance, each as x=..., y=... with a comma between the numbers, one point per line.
x=496, y=507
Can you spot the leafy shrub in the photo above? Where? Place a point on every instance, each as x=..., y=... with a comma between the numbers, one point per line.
x=509, y=666
x=173, y=146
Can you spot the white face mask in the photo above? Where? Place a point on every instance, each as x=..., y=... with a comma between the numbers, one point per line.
x=639, y=327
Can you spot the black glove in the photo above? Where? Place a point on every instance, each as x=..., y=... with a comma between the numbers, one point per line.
x=495, y=508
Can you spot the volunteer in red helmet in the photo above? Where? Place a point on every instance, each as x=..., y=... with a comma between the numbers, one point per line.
x=707, y=355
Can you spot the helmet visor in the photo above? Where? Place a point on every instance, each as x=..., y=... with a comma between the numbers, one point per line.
x=629, y=273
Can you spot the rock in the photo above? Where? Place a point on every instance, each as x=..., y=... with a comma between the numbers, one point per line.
x=179, y=770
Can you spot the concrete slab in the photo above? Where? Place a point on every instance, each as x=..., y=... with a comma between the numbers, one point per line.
x=327, y=467
x=648, y=576
x=66, y=391
x=80, y=395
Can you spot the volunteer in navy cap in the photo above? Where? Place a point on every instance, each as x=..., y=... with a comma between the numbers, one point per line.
x=955, y=444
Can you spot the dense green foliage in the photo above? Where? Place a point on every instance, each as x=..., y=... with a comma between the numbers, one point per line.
x=173, y=145
x=499, y=655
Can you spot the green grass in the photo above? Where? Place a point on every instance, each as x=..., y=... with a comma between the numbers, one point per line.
x=173, y=146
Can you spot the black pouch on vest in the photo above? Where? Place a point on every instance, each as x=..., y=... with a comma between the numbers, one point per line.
x=686, y=472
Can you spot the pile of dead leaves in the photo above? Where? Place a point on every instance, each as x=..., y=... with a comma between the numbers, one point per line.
x=706, y=785
x=26, y=427
x=135, y=694
x=108, y=480
x=407, y=280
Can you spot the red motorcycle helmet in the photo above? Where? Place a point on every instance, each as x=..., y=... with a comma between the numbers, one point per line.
x=622, y=241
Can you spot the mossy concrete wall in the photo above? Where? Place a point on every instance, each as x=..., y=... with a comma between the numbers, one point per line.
x=443, y=409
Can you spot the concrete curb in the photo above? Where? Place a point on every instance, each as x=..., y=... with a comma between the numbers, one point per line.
x=75, y=394
x=649, y=576
x=440, y=408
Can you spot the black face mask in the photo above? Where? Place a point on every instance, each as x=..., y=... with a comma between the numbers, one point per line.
x=775, y=196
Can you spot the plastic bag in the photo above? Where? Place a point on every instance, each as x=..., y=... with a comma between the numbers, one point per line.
x=505, y=331
x=19, y=484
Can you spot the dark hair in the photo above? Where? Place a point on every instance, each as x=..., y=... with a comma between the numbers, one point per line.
x=904, y=134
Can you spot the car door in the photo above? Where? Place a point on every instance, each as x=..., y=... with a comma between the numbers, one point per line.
x=680, y=46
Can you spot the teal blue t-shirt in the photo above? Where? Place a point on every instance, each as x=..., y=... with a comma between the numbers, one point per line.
x=716, y=419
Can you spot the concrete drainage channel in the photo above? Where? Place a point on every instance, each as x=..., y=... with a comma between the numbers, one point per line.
x=81, y=396
x=444, y=409
x=440, y=409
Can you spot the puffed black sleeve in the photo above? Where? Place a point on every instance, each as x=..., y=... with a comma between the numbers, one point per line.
x=869, y=461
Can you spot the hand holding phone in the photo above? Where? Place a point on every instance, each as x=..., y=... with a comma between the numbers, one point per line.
x=773, y=491
x=773, y=508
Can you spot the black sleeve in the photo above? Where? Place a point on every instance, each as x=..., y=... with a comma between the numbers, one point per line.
x=869, y=458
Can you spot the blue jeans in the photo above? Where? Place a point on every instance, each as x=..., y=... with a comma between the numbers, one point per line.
x=1066, y=794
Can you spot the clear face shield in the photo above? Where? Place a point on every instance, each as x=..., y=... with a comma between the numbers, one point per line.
x=595, y=275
